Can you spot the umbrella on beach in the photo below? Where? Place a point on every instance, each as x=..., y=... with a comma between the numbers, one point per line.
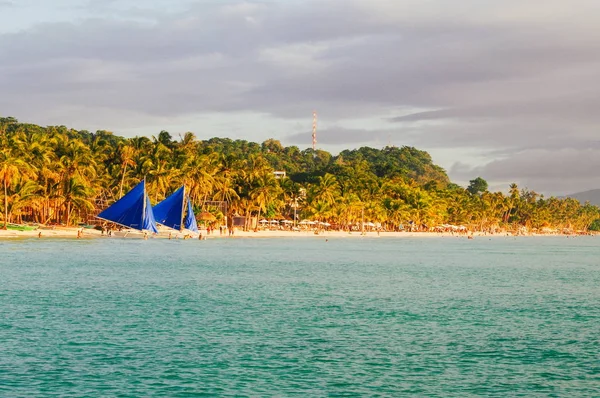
x=206, y=216
x=263, y=221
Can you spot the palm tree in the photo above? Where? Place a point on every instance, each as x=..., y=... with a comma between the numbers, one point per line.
x=292, y=194
x=11, y=168
x=76, y=192
x=264, y=192
x=198, y=174
x=327, y=189
x=127, y=154
x=24, y=193
x=160, y=177
x=319, y=210
x=224, y=190
x=76, y=159
x=38, y=148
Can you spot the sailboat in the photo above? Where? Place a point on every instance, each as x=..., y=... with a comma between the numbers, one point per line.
x=133, y=210
x=176, y=212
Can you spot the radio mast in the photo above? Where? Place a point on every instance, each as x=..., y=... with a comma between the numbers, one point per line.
x=314, y=134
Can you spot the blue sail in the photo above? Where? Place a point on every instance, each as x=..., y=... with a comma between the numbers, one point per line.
x=132, y=210
x=169, y=212
x=149, y=222
x=190, y=218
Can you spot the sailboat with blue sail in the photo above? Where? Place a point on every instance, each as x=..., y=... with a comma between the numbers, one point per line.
x=176, y=212
x=133, y=210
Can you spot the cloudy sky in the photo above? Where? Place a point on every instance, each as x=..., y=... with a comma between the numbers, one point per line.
x=504, y=89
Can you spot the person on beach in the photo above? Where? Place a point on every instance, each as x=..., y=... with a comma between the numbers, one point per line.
x=39, y=234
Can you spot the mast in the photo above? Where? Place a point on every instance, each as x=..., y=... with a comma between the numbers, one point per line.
x=182, y=209
x=314, y=134
x=144, y=208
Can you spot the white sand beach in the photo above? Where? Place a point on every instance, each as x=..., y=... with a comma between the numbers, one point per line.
x=71, y=232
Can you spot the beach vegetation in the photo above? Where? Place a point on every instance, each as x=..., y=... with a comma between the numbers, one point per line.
x=58, y=175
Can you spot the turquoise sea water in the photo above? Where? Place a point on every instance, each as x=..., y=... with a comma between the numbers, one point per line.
x=281, y=317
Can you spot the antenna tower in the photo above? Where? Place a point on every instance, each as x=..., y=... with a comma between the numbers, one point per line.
x=314, y=134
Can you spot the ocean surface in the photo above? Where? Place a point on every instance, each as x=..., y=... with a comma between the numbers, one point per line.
x=439, y=317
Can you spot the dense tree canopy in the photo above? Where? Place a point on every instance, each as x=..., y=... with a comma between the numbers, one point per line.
x=477, y=186
x=59, y=175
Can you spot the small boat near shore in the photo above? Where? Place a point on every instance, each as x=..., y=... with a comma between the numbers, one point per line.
x=132, y=211
x=176, y=212
x=21, y=227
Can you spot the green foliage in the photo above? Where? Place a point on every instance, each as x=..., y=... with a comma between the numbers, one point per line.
x=595, y=226
x=58, y=175
x=390, y=162
x=476, y=186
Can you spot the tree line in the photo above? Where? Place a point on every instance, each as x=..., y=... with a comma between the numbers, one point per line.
x=57, y=175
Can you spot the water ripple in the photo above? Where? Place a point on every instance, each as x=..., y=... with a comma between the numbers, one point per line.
x=368, y=317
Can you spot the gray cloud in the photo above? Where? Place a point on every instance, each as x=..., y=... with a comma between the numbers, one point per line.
x=502, y=79
x=560, y=171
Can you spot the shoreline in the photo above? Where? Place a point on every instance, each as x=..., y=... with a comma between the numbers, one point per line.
x=72, y=232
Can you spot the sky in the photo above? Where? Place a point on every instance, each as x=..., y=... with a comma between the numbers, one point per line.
x=507, y=90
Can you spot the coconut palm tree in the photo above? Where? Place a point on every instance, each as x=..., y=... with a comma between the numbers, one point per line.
x=291, y=194
x=160, y=177
x=76, y=193
x=326, y=190
x=198, y=174
x=127, y=155
x=24, y=194
x=264, y=192
x=12, y=169
x=318, y=210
